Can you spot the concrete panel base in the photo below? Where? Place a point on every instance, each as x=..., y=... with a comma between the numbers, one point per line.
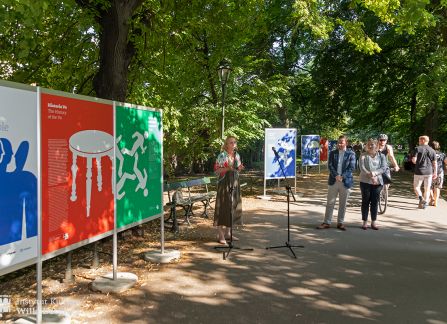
x=106, y=284
x=158, y=257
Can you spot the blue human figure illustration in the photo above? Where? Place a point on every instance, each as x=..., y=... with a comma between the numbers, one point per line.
x=18, y=195
x=28, y=189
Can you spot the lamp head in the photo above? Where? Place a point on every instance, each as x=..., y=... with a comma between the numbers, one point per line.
x=224, y=71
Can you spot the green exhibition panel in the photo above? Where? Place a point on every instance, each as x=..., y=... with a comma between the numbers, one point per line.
x=138, y=160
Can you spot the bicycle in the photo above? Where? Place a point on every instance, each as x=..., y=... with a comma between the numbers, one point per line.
x=383, y=199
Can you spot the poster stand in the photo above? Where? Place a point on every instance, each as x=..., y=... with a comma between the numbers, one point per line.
x=289, y=192
x=39, y=227
x=283, y=140
x=114, y=281
x=310, y=153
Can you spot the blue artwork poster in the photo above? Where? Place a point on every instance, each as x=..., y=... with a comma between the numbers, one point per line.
x=18, y=176
x=310, y=150
x=332, y=145
x=283, y=140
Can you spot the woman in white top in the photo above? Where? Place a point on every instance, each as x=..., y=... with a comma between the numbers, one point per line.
x=372, y=165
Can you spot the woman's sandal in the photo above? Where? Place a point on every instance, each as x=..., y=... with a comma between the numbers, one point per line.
x=364, y=227
x=234, y=238
x=323, y=226
x=374, y=227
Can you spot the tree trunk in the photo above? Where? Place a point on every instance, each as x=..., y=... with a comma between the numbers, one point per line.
x=115, y=49
x=412, y=139
x=431, y=121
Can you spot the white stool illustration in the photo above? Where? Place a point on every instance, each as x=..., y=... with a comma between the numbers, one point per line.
x=90, y=144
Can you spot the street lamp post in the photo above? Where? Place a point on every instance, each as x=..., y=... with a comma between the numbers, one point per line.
x=223, y=71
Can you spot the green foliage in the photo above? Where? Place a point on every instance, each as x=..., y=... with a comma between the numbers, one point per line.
x=356, y=35
x=47, y=43
x=323, y=66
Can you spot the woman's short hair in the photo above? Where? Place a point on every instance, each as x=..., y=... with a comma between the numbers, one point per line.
x=371, y=141
x=224, y=146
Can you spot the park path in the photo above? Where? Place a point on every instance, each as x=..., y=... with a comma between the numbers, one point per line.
x=394, y=275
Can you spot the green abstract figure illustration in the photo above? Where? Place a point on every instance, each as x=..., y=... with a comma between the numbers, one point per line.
x=138, y=164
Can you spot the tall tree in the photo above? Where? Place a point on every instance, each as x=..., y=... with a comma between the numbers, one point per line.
x=116, y=44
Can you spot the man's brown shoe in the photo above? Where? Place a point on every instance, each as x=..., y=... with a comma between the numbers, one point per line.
x=341, y=227
x=323, y=226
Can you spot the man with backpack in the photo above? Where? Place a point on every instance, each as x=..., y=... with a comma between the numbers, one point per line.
x=424, y=158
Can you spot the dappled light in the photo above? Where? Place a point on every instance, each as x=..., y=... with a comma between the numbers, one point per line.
x=355, y=276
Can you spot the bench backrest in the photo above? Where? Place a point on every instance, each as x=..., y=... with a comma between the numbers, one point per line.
x=187, y=184
x=174, y=185
x=198, y=182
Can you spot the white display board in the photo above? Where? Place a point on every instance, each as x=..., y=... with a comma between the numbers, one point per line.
x=283, y=140
x=310, y=150
x=18, y=176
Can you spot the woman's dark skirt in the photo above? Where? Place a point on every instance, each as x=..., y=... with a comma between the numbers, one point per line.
x=222, y=212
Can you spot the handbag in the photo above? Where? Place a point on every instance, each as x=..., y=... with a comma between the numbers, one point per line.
x=386, y=177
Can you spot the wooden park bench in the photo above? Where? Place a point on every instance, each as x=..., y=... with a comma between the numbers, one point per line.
x=185, y=194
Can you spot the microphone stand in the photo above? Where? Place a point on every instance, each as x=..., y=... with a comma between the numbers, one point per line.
x=234, y=174
x=289, y=192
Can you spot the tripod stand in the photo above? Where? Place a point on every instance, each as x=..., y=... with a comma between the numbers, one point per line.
x=233, y=175
x=289, y=192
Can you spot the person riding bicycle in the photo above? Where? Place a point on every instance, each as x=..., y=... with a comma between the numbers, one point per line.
x=387, y=150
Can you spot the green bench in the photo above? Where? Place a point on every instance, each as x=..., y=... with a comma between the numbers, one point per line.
x=185, y=194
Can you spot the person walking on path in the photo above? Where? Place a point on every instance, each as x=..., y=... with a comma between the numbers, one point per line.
x=372, y=165
x=387, y=150
x=341, y=164
x=424, y=158
x=227, y=167
x=436, y=185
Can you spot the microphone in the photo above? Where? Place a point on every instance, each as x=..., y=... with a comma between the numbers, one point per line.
x=276, y=153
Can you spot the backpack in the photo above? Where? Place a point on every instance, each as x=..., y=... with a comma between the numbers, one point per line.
x=440, y=157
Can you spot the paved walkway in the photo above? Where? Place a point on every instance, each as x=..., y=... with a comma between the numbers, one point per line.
x=394, y=275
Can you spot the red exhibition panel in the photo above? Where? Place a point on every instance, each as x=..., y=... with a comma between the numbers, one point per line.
x=77, y=153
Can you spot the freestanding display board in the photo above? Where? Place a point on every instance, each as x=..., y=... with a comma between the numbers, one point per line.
x=332, y=145
x=310, y=150
x=77, y=143
x=139, y=176
x=284, y=142
x=18, y=176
